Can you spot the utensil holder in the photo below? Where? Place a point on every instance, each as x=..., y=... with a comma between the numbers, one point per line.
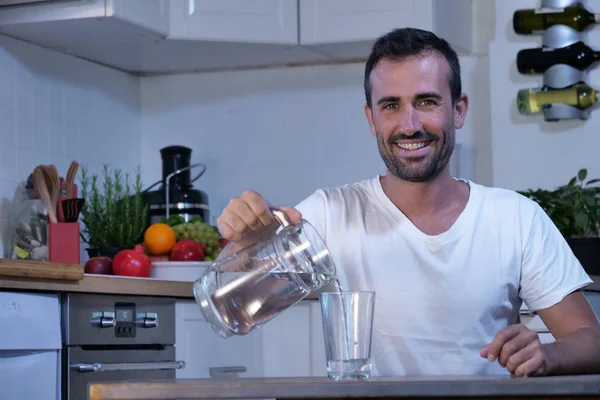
x=63, y=243
x=60, y=216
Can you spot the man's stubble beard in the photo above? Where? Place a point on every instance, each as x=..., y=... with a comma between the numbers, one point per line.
x=426, y=169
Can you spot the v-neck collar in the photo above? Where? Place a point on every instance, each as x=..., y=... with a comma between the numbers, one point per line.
x=443, y=238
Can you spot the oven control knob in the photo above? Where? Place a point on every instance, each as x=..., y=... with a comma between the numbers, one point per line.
x=147, y=320
x=104, y=319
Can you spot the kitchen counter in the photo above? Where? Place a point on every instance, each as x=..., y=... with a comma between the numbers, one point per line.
x=108, y=284
x=565, y=387
x=111, y=284
x=102, y=284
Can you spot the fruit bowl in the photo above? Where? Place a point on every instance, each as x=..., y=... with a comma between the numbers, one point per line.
x=186, y=271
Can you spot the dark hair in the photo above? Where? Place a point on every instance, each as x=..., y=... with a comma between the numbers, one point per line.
x=404, y=43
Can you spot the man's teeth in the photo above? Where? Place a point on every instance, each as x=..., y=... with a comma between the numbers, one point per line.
x=412, y=146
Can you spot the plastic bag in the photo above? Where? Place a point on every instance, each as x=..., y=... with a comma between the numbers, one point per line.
x=29, y=226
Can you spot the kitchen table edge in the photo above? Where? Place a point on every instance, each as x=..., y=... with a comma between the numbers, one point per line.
x=321, y=387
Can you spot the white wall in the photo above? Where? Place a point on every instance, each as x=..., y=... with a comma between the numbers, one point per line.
x=54, y=109
x=527, y=152
x=282, y=132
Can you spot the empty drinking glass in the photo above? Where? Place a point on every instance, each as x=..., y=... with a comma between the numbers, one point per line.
x=347, y=329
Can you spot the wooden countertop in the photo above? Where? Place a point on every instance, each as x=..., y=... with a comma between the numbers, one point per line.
x=102, y=284
x=124, y=285
x=558, y=387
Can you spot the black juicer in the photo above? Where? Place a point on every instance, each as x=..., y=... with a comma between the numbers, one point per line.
x=176, y=193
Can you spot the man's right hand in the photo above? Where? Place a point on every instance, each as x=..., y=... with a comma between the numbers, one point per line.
x=247, y=219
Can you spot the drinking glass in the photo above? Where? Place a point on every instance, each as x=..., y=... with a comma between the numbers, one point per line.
x=347, y=329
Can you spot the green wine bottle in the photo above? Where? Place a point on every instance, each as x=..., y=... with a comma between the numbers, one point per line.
x=526, y=22
x=532, y=101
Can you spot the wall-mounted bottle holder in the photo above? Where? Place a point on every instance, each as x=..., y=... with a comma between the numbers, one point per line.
x=558, y=77
x=561, y=76
x=560, y=3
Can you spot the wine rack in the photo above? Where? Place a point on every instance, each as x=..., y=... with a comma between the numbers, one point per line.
x=560, y=75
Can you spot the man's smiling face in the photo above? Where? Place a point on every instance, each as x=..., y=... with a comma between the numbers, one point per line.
x=413, y=116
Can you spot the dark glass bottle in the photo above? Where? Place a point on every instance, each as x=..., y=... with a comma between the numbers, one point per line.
x=526, y=22
x=538, y=60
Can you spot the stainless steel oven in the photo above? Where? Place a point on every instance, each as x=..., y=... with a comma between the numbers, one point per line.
x=115, y=338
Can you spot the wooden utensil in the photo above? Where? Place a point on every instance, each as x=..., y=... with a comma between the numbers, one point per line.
x=71, y=175
x=40, y=183
x=40, y=269
x=53, y=184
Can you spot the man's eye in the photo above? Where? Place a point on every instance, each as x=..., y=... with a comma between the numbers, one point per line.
x=390, y=106
x=428, y=102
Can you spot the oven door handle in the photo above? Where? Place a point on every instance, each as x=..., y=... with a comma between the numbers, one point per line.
x=101, y=367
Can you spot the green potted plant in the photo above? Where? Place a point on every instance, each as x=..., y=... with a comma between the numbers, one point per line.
x=114, y=214
x=575, y=210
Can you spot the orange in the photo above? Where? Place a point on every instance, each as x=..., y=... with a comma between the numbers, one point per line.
x=159, y=239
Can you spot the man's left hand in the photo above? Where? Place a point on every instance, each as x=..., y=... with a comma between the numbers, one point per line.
x=518, y=349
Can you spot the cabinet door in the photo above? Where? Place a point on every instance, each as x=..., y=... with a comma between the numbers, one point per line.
x=148, y=14
x=337, y=21
x=204, y=351
x=286, y=343
x=256, y=21
x=318, y=361
x=52, y=11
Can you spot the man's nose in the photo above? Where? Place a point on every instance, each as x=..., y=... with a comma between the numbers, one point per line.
x=410, y=123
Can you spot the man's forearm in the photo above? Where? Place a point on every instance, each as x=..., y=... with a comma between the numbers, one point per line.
x=575, y=353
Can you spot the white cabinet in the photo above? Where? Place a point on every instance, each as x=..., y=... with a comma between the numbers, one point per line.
x=30, y=346
x=257, y=21
x=336, y=21
x=281, y=348
x=57, y=24
x=318, y=361
x=163, y=36
x=204, y=351
x=346, y=29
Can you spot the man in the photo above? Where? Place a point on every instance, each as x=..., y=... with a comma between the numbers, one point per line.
x=450, y=260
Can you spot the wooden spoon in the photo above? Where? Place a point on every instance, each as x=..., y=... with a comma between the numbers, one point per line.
x=39, y=183
x=71, y=175
x=53, y=185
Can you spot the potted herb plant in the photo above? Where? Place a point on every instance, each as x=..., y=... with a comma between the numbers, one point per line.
x=575, y=210
x=114, y=214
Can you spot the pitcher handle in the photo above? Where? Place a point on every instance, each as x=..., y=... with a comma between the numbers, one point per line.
x=280, y=216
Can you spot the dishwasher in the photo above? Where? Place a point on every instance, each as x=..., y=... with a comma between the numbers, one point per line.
x=111, y=338
x=30, y=346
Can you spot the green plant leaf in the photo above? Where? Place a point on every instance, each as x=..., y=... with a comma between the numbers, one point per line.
x=582, y=220
x=582, y=174
x=573, y=181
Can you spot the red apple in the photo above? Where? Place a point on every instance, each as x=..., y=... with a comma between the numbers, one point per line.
x=188, y=250
x=98, y=265
x=132, y=263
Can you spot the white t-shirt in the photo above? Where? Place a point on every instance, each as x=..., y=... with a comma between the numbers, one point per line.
x=440, y=299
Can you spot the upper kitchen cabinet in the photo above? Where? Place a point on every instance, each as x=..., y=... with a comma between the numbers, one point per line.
x=58, y=24
x=174, y=36
x=346, y=29
x=256, y=21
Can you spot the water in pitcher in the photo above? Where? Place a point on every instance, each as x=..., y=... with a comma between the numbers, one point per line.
x=248, y=299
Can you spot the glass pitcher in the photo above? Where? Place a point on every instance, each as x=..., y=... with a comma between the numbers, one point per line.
x=248, y=288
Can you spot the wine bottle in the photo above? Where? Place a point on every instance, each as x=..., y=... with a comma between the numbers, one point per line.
x=579, y=95
x=531, y=21
x=538, y=60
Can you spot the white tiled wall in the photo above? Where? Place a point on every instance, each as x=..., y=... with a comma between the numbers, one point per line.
x=284, y=132
x=54, y=109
